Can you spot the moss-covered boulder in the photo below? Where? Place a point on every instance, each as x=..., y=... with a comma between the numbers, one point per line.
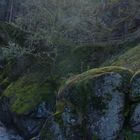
x=92, y=104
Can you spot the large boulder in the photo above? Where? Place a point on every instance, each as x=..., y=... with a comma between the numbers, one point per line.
x=92, y=104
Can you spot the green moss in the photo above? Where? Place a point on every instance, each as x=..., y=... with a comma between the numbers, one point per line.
x=95, y=137
x=8, y=69
x=136, y=75
x=46, y=133
x=5, y=83
x=1, y=77
x=126, y=73
x=129, y=135
x=130, y=59
x=10, y=32
x=11, y=62
x=58, y=119
x=78, y=96
x=27, y=92
x=82, y=58
x=60, y=106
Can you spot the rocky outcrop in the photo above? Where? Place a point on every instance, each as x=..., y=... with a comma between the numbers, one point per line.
x=100, y=104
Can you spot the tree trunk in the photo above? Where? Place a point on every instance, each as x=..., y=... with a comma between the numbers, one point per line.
x=11, y=10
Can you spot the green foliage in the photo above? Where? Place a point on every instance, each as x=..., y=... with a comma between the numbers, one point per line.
x=83, y=58
x=13, y=50
x=27, y=92
x=129, y=59
x=4, y=83
x=129, y=135
x=12, y=33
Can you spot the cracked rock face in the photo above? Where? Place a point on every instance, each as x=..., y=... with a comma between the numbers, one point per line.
x=135, y=119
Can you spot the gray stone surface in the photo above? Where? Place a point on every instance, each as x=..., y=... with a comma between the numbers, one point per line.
x=135, y=119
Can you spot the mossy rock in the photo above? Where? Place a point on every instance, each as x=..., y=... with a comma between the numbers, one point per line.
x=78, y=85
x=14, y=68
x=29, y=91
x=99, y=91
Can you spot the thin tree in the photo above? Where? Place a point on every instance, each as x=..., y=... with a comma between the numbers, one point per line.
x=11, y=10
